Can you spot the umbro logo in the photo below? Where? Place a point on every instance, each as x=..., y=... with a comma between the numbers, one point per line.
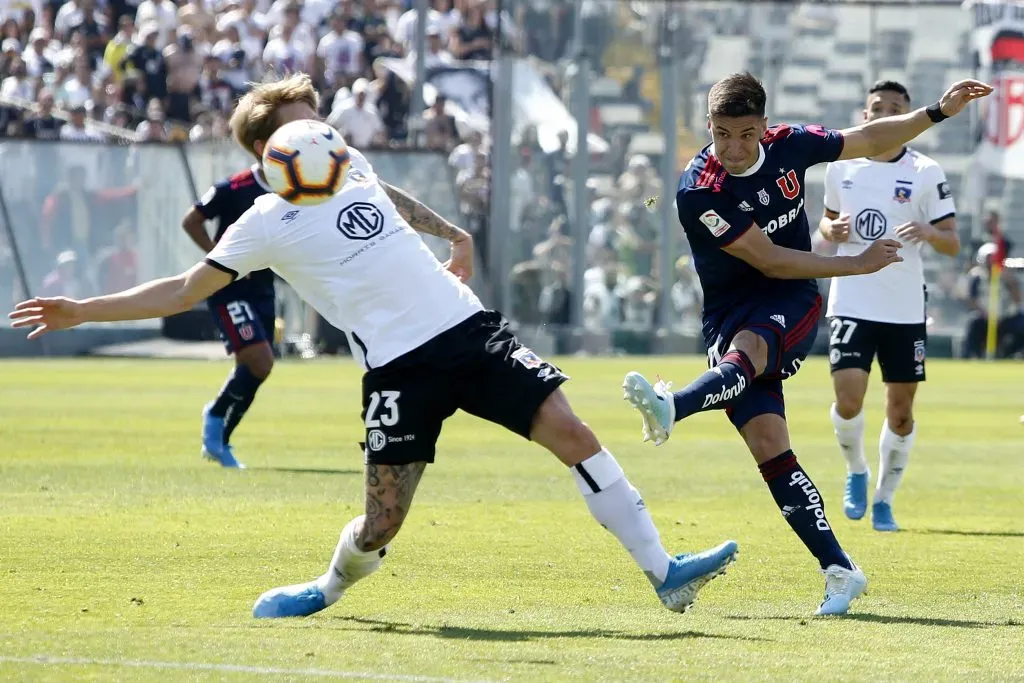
x=289, y=217
x=780, y=319
x=745, y=207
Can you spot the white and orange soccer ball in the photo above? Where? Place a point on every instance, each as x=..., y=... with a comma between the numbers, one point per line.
x=306, y=162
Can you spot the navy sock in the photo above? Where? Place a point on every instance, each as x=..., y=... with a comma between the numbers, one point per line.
x=235, y=397
x=717, y=388
x=803, y=508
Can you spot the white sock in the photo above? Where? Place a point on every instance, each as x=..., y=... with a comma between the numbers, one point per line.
x=850, y=435
x=620, y=509
x=893, y=454
x=349, y=563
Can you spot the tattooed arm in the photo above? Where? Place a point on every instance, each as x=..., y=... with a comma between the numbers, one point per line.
x=422, y=218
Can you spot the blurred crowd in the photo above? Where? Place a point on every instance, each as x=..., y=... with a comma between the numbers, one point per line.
x=171, y=69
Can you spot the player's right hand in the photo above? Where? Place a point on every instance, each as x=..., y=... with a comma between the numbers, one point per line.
x=839, y=231
x=880, y=254
x=961, y=93
x=47, y=315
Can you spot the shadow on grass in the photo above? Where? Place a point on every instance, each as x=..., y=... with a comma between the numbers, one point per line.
x=957, y=532
x=514, y=635
x=884, y=619
x=303, y=470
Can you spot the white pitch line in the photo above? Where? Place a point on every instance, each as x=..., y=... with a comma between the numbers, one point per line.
x=46, y=660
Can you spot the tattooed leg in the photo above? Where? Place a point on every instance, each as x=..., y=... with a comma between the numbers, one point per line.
x=389, y=493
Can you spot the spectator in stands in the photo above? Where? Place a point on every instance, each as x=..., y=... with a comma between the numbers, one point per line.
x=184, y=69
x=18, y=83
x=43, y=125
x=686, y=294
x=358, y=119
x=471, y=39
x=602, y=304
x=474, y=188
x=392, y=102
x=462, y=157
x=555, y=304
x=341, y=55
x=161, y=15
x=146, y=63
x=38, y=56
x=117, y=266
x=527, y=284
x=441, y=133
x=78, y=129
x=436, y=55
x=154, y=128
x=1010, y=327
x=992, y=227
x=67, y=278
x=291, y=48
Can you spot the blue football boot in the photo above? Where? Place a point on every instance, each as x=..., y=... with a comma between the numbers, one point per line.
x=855, y=498
x=214, y=447
x=688, y=573
x=882, y=519
x=299, y=600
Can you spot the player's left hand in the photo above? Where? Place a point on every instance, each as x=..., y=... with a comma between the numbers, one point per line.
x=47, y=315
x=916, y=232
x=961, y=93
x=461, y=262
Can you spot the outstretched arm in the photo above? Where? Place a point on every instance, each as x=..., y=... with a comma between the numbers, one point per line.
x=890, y=132
x=754, y=247
x=153, y=299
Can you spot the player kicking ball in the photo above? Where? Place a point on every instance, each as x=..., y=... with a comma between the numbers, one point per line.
x=244, y=312
x=428, y=346
x=741, y=204
x=898, y=194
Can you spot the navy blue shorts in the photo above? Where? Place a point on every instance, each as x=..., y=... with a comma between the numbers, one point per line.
x=789, y=324
x=243, y=321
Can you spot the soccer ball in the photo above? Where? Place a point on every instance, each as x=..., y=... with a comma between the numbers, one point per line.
x=305, y=162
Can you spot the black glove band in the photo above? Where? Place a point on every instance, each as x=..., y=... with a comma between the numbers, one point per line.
x=935, y=113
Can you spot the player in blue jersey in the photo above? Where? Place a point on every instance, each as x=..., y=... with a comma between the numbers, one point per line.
x=243, y=311
x=741, y=204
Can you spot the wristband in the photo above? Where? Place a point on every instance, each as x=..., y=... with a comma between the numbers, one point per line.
x=935, y=113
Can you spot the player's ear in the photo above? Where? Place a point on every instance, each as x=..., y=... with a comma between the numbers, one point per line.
x=257, y=146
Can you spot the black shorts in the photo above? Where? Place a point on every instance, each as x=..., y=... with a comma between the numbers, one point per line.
x=477, y=366
x=900, y=347
x=243, y=320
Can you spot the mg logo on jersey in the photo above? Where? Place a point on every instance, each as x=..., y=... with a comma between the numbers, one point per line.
x=870, y=224
x=789, y=184
x=762, y=196
x=360, y=221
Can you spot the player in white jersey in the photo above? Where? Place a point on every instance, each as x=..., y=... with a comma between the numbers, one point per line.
x=427, y=343
x=902, y=195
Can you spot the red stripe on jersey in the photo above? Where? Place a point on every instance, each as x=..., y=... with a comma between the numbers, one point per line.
x=803, y=327
x=776, y=133
x=711, y=168
x=242, y=179
x=233, y=336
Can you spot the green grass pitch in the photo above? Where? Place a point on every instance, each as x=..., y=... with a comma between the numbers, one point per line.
x=124, y=556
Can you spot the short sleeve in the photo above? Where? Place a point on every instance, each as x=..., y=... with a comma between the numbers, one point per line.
x=209, y=203
x=815, y=144
x=832, y=199
x=938, y=197
x=243, y=248
x=715, y=214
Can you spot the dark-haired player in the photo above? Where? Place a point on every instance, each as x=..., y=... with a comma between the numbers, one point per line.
x=741, y=204
x=897, y=194
x=243, y=311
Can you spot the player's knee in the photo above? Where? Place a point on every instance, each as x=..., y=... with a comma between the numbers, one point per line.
x=559, y=430
x=899, y=411
x=849, y=404
x=754, y=347
x=259, y=360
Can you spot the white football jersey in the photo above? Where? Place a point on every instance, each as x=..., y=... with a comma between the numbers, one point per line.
x=880, y=196
x=356, y=261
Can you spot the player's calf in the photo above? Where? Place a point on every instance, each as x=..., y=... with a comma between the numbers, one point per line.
x=723, y=384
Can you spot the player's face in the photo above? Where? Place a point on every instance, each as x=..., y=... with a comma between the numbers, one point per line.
x=296, y=111
x=737, y=140
x=885, y=103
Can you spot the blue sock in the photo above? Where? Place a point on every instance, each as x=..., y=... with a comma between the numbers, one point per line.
x=235, y=397
x=718, y=387
x=803, y=508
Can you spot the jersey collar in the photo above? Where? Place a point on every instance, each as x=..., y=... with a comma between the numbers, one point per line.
x=753, y=169
x=257, y=173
